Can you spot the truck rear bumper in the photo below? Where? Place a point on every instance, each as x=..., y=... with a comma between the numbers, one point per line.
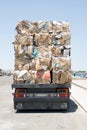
x=41, y=103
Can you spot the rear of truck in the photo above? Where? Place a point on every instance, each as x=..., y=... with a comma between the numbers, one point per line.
x=45, y=96
x=42, y=69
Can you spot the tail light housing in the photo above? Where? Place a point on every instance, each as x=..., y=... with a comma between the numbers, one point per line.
x=63, y=95
x=20, y=93
x=62, y=92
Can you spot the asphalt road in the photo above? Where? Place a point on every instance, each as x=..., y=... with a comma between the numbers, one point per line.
x=74, y=118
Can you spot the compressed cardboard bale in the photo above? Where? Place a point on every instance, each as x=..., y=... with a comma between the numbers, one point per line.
x=61, y=63
x=25, y=64
x=27, y=52
x=24, y=39
x=43, y=63
x=25, y=27
x=43, y=77
x=24, y=76
x=62, y=77
x=59, y=77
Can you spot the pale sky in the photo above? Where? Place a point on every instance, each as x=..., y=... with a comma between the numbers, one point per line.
x=73, y=11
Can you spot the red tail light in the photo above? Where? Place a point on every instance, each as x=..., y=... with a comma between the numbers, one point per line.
x=19, y=95
x=63, y=92
x=63, y=95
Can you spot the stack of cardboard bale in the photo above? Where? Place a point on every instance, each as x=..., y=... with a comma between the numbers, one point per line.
x=42, y=52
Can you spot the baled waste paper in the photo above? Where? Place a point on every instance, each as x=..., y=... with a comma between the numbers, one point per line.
x=42, y=52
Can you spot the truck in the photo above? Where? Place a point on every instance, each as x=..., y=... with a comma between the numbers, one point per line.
x=42, y=91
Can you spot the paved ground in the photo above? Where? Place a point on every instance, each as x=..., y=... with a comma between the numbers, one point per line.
x=79, y=92
x=80, y=82
x=75, y=118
